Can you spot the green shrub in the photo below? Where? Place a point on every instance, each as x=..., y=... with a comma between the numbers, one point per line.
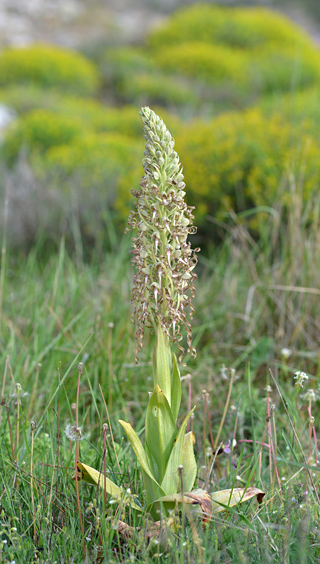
x=48, y=66
x=92, y=152
x=210, y=63
x=39, y=131
x=118, y=65
x=259, y=27
x=253, y=49
x=243, y=160
x=295, y=106
x=95, y=162
x=70, y=119
x=197, y=23
x=101, y=118
x=30, y=97
x=118, y=62
x=243, y=28
x=133, y=77
x=210, y=59
x=94, y=115
x=284, y=70
x=157, y=88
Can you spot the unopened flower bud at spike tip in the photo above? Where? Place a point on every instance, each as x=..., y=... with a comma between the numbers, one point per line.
x=163, y=285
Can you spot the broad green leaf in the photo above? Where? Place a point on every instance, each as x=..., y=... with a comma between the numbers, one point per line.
x=137, y=447
x=152, y=493
x=171, y=481
x=152, y=486
x=151, y=462
x=189, y=462
x=160, y=430
x=92, y=476
x=228, y=498
x=162, y=364
x=175, y=388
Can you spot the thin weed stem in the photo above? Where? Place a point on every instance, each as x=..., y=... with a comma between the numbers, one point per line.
x=180, y=472
x=3, y=250
x=312, y=433
x=275, y=449
x=33, y=426
x=233, y=373
x=80, y=367
x=4, y=404
x=34, y=389
x=269, y=438
x=104, y=430
x=110, y=364
x=209, y=422
x=272, y=456
x=16, y=442
x=189, y=405
x=111, y=433
x=298, y=440
x=204, y=394
x=4, y=382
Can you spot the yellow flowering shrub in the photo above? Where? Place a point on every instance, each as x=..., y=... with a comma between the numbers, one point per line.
x=158, y=88
x=124, y=201
x=94, y=165
x=250, y=48
x=30, y=97
x=38, y=131
x=201, y=61
x=118, y=62
x=101, y=118
x=283, y=70
x=134, y=78
x=295, y=106
x=246, y=28
x=48, y=66
x=93, y=156
x=242, y=160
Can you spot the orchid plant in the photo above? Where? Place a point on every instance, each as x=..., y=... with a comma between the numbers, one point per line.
x=162, y=298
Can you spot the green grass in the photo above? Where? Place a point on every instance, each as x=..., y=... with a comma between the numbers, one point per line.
x=253, y=299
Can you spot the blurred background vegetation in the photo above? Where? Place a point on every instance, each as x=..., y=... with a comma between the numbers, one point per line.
x=238, y=86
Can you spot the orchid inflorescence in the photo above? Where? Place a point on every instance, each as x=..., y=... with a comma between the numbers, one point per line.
x=164, y=280
x=162, y=292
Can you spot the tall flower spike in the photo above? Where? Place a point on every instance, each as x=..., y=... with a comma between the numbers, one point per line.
x=163, y=285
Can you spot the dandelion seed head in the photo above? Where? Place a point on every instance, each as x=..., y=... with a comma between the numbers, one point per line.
x=73, y=433
x=286, y=353
x=310, y=395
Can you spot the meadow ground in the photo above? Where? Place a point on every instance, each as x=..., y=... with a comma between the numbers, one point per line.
x=256, y=324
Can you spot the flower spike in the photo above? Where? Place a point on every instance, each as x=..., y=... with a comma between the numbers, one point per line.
x=164, y=280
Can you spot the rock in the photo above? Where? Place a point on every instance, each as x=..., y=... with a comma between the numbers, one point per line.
x=7, y=115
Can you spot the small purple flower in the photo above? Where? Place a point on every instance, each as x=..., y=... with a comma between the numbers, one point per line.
x=227, y=448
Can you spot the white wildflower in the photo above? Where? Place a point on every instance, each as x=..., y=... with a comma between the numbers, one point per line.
x=300, y=377
x=286, y=353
